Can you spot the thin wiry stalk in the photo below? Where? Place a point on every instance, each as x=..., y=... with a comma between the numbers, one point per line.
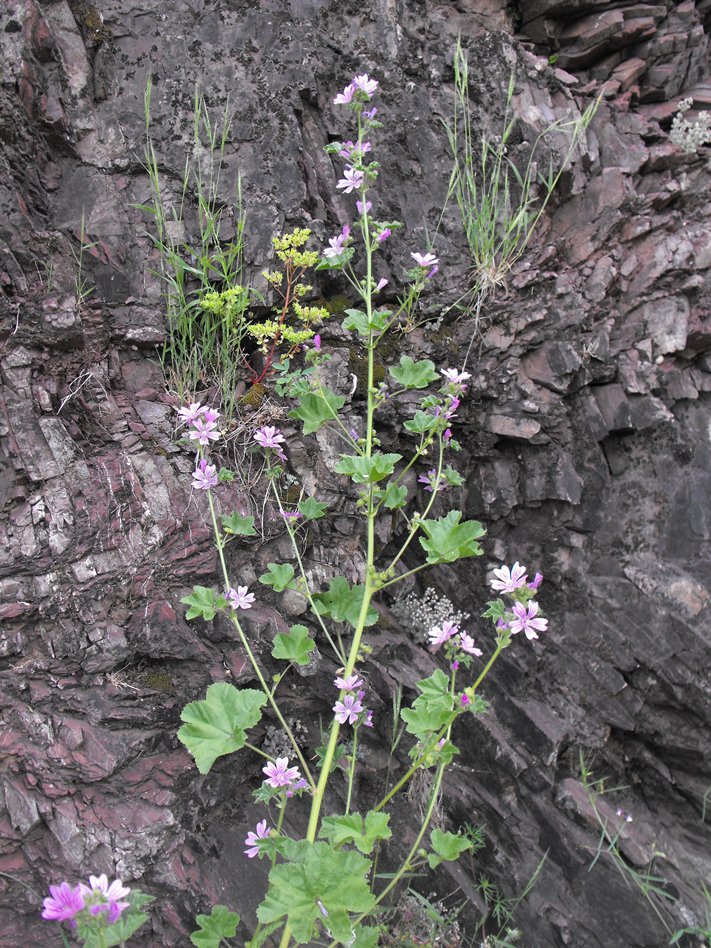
x=500, y=205
x=203, y=348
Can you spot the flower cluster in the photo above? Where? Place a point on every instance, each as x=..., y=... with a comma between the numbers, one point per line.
x=357, y=177
x=350, y=709
x=282, y=777
x=690, y=135
x=523, y=616
x=101, y=902
x=457, y=640
x=201, y=421
x=271, y=439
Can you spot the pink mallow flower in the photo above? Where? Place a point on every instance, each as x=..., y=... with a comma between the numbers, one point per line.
x=63, y=903
x=348, y=684
x=368, y=206
x=369, y=114
x=439, y=634
x=209, y=414
x=337, y=244
x=269, y=437
x=190, y=413
x=429, y=479
x=205, y=476
x=507, y=580
x=365, y=84
x=526, y=620
x=466, y=644
x=280, y=774
x=536, y=581
x=252, y=840
x=382, y=282
x=454, y=376
x=343, y=98
x=102, y=896
x=383, y=235
x=454, y=404
x=204, y=431
x=348, y=709
x=239, y=598
x=349, y=149
x=425, y=260
x=352, y=179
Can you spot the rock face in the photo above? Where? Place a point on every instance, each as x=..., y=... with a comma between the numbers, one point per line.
x=586, y=437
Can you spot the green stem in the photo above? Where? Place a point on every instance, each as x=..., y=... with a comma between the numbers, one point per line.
x=397, y=579
x=250, y=653
x=440, y=734
x=351, y=770
x=422, y=448
x=339, y=652
x=258, y=751
x=368, y=587
x=423, y=515
x=413, y=851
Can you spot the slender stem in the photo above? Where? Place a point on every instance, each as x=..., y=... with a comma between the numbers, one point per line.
x=250, y=653
x=421, y=449
x=440, y=734
x=339, y=652
x=351, y=770
x=413, y=851
x=397, y=579
x=423, y=516
x=368, y=585
x=500, y=646
x=258, y=751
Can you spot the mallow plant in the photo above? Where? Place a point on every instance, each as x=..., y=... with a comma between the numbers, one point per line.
x=323, y=887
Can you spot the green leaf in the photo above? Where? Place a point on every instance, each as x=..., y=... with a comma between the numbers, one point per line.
x=447, y=847
x=367, y=470
x=411, y=374
x=350, y=828
x=421, y=423
x=358, y=320
x=315, y=410
x=294, y=647
x=127, y=925
x=259, y=938
x=432, y=709
x=202, y=601
x=219, y=924
x=218, y=725
x=279, y=576
x=318, y=880
x=334, y=263
x=395, y=496
x=448, y=540
x=340, y=754
x=366, y=937
x=452, y=477
x=238, y=525
x=312, y=509
x=495, y=609
x=342, y=603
